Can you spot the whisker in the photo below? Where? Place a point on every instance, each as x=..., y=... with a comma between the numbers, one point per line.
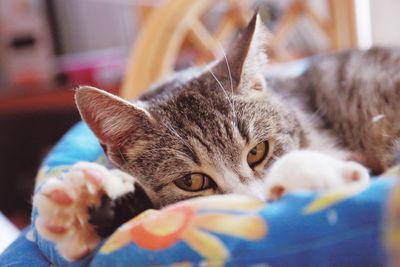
x=230, y=79
x=227, y=64
x=225, y=93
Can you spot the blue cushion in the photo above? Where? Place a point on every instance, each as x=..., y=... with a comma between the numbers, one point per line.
x=338, y=229
x=344, y=228
x=23, y=252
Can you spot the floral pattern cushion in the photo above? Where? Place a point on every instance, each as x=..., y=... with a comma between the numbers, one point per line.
x=343, y=228
x=348, y=227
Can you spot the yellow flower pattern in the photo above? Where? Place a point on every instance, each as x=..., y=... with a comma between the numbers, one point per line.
x=331, y=198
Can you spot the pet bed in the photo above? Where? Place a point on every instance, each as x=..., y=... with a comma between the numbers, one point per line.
x=348, y=227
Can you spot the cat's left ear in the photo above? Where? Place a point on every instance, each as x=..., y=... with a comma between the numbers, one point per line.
x=246, y=58
x=112, y=119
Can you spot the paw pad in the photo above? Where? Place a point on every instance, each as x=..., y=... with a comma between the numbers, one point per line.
x=61, y=197
x=56, y=229
x=63, y=206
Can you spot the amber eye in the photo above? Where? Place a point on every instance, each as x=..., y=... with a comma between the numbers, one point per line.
x=257, y=154
x=194, y=182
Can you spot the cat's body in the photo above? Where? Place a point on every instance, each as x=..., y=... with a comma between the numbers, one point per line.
x=354, y=95
x=218, y=129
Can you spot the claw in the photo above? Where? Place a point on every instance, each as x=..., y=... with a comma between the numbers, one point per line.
x=94, y=177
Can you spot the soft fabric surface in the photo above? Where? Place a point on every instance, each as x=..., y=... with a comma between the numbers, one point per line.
x=344, y=228
x=23, y=252
x=341, y=229
x=8, y=232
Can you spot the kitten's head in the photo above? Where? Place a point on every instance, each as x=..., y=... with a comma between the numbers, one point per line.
x=209, y=130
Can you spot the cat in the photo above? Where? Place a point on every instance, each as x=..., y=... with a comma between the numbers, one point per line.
x=224, y=128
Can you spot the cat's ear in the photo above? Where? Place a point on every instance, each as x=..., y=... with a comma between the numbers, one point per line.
x=247, y=56
x=112, y=119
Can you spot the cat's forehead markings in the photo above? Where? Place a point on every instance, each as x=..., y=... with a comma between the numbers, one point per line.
x=240, y=133
x=200, y=145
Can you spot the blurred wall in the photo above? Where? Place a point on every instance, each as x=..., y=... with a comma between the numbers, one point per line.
x=385, y=21
x=94, y=24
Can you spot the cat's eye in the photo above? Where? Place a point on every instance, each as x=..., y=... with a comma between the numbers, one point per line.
x=194, y=182
x=257, y=154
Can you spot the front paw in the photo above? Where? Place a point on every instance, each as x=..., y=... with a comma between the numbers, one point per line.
x=312, y=171
x=63, y=206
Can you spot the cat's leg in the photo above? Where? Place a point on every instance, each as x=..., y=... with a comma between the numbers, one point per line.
x=66, y=206
x=312, y=171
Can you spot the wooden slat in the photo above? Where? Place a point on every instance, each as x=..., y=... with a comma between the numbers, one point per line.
x=343, y=25
x=284, y=27
x=323, y=25
x=225, y=29
x=202, y=40
x=162, y=35
x=158, y=43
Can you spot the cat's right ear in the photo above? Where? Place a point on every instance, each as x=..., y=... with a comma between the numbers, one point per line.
x=246, y=58
x=112, y=119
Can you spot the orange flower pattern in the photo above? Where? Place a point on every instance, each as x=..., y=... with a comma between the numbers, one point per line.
x=193, y=222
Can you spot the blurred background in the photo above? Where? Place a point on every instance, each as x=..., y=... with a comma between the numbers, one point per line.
x=48, y=47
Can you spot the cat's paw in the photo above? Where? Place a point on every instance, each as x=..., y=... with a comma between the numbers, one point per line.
x=312, y=171
x=63, y=206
